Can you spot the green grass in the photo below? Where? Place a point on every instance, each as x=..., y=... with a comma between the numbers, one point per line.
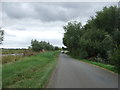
x=31, y=72
x=106, y=66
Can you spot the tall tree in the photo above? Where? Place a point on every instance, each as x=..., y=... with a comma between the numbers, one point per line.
x=98, y=38
x=71, y=36
x=1, y=35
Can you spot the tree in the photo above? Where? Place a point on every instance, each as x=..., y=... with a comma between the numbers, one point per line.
x=106, y=19
x=38, y=46
x=115, y=57
x=56, y=48
x=1, y=35
x=71, y=36
x=116, y=37
x=35, y=45
x=98, y=38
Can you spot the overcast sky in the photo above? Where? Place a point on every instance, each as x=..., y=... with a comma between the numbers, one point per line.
x=43, y=21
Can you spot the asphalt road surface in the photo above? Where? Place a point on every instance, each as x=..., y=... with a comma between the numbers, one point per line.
x=71, y=73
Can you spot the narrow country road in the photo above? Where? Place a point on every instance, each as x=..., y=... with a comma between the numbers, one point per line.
x=71, y=73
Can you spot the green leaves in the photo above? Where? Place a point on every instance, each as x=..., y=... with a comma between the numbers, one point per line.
x=115, y=57
x=72, y=35
x=1, y=35
x=107, y=19
x=38, y=46
x=98, y=38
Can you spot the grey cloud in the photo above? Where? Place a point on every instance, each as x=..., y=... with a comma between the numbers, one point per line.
x=18, y=10
x=9, y=35
x=41, y=17
x=23, y=16
x=61, y=11
x=50, y=11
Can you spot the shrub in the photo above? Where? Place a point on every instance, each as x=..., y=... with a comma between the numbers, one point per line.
x=115, y=58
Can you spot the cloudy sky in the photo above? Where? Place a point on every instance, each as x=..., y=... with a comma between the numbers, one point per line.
x=42, y=20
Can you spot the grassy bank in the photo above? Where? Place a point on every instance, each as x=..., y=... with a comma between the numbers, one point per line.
x=10, y=58
x=18, y=56
x=106, y=66
x=31, y=72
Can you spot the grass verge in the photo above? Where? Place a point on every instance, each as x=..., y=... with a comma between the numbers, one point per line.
x=106, y=66
x=32, y=72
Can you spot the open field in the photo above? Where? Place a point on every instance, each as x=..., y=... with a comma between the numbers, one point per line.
x=12, y=51
x=30, y=72
x=11, y=55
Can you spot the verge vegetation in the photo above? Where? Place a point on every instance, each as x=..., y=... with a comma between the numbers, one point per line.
x=100, y=64
x=30, y=72
x=106, y=66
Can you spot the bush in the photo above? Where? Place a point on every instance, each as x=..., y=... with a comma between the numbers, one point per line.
x=115, y=58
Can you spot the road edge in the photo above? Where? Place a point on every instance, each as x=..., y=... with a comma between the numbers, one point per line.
x=52, y=73
x=99, y=67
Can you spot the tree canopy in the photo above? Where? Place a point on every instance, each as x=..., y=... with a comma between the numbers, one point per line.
x=1, y=35
x=42, y=45
x=99, y=38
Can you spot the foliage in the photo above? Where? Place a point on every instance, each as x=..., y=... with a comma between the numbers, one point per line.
x=71, y=36
x=115, y=57
x=106, y=66
x=1, y=35
x=116, y=37
x=38, y=46
x=97, y=39
x=56, y=48
x=106, y=19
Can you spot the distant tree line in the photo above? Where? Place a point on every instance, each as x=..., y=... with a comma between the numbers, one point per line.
x=98, y=40
x=42, y=45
